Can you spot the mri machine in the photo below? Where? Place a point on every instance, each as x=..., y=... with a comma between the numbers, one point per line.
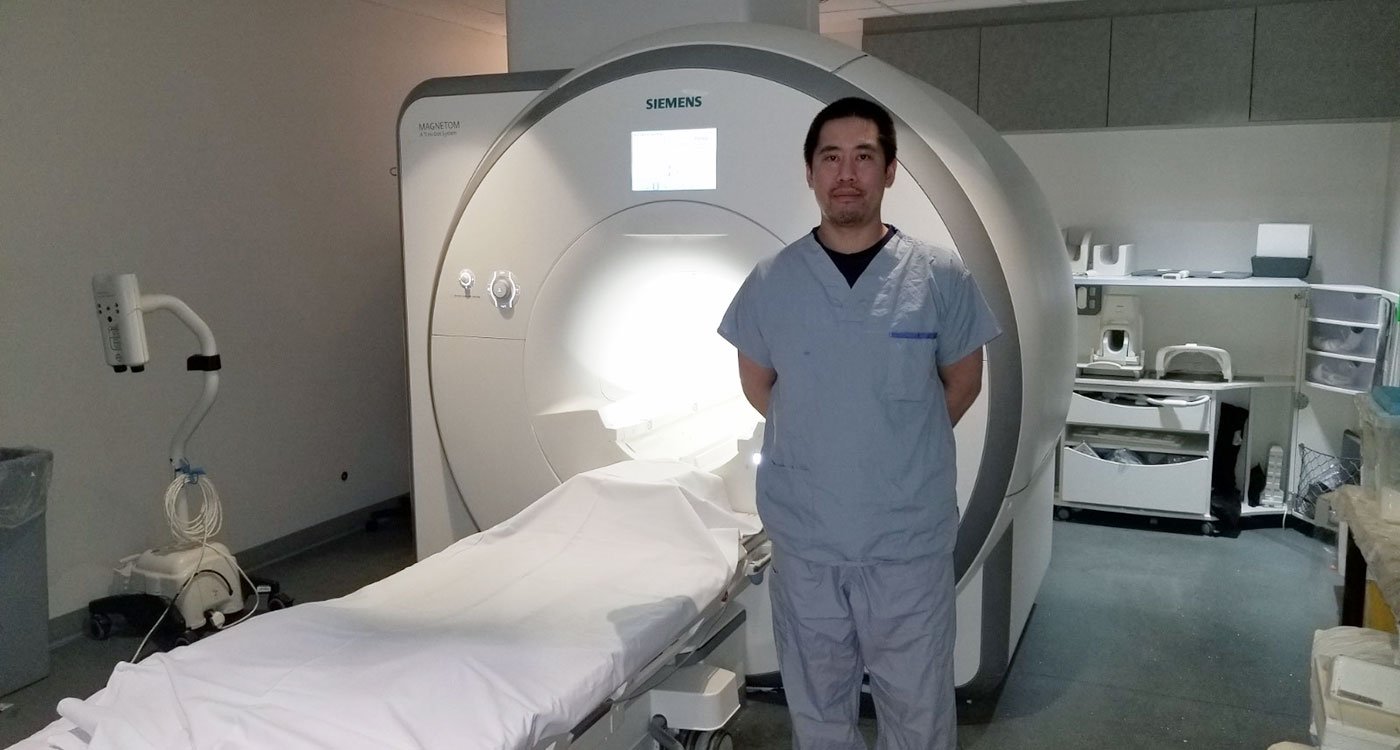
x=571, y=239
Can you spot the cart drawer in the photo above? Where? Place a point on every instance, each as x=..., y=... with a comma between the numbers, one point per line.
x=1194, y=417
x=1337, y=304
x=1343, y=374
x=1168, y=488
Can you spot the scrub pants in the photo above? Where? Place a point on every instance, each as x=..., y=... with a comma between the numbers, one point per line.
x=895, y=620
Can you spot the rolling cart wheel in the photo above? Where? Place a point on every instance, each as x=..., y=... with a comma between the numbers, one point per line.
x=1208, y=528
x=716, y=740
x=278, y=601
x=99, y=627
x=1062, y=513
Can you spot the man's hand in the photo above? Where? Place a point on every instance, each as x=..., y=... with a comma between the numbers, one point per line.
x=962, y=381
x=757, y=382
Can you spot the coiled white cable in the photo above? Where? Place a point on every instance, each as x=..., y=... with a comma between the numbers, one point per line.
x=200, y=527
x=204, y=526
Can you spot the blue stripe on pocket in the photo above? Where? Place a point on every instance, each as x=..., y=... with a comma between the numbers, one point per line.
x=913, y=334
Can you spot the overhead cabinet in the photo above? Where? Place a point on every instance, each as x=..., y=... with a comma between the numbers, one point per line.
x=1181, y=68
x=946, y=58
x=1327, y=60
x=1045, y=76
x=1305, y=60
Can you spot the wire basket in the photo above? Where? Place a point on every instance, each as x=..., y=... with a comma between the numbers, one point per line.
x=1318, y=474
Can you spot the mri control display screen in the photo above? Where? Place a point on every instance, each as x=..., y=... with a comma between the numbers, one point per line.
x=673, y=159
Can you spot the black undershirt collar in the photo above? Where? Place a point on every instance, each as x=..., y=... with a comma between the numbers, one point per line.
x=852, y=265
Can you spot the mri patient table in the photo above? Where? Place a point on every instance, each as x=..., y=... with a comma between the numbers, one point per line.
x=605, y=602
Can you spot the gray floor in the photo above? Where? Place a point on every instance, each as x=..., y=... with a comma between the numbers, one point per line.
x=1141, y=637
x=1147, y=638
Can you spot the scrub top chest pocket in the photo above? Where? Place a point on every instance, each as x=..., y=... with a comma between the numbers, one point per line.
x=909, y=369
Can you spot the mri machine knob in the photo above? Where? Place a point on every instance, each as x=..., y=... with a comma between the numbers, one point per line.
x=504, y=290
x=466, y=278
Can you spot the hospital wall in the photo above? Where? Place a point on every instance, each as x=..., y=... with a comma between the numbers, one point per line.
x=1194, y=197
x=238, y=156
x=1390, y=262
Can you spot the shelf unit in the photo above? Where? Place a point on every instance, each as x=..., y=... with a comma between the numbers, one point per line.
x=1343, y=338
x=1174, y=419
x=1311, y=347
x=1198, y=282
x=1346, y=341
x=1174, y=423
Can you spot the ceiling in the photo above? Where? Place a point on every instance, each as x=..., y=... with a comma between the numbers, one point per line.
x=837, y=16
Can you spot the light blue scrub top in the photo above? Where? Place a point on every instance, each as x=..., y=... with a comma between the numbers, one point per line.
x=858, y=462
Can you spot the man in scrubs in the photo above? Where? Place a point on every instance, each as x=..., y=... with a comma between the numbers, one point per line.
x=862, y=347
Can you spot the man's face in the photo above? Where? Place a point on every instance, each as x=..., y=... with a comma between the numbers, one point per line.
x=848, y=172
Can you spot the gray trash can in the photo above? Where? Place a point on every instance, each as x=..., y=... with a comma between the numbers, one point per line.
x=24, y=580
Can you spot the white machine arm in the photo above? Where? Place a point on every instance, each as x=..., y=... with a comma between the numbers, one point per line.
x=120, y=308
x=207, y=360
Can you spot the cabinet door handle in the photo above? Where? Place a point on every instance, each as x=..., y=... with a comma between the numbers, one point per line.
x=1176, y=401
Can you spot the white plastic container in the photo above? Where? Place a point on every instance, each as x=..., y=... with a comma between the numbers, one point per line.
x=1342, y=339
x=1346, y=306
x=1339, y=374
x=1110, y=260
x=1380, y=455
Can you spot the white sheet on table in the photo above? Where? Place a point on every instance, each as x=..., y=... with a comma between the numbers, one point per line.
x=58, y=734
x=504, y=638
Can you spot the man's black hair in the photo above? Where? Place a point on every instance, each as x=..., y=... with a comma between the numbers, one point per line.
x=852, y=106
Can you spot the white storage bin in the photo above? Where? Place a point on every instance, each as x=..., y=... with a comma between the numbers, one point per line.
x=1343, y=374
x=1161, y=488
x=1176, y=413
x=1341, y=339
x=1333, y=304
x=1380, y=455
